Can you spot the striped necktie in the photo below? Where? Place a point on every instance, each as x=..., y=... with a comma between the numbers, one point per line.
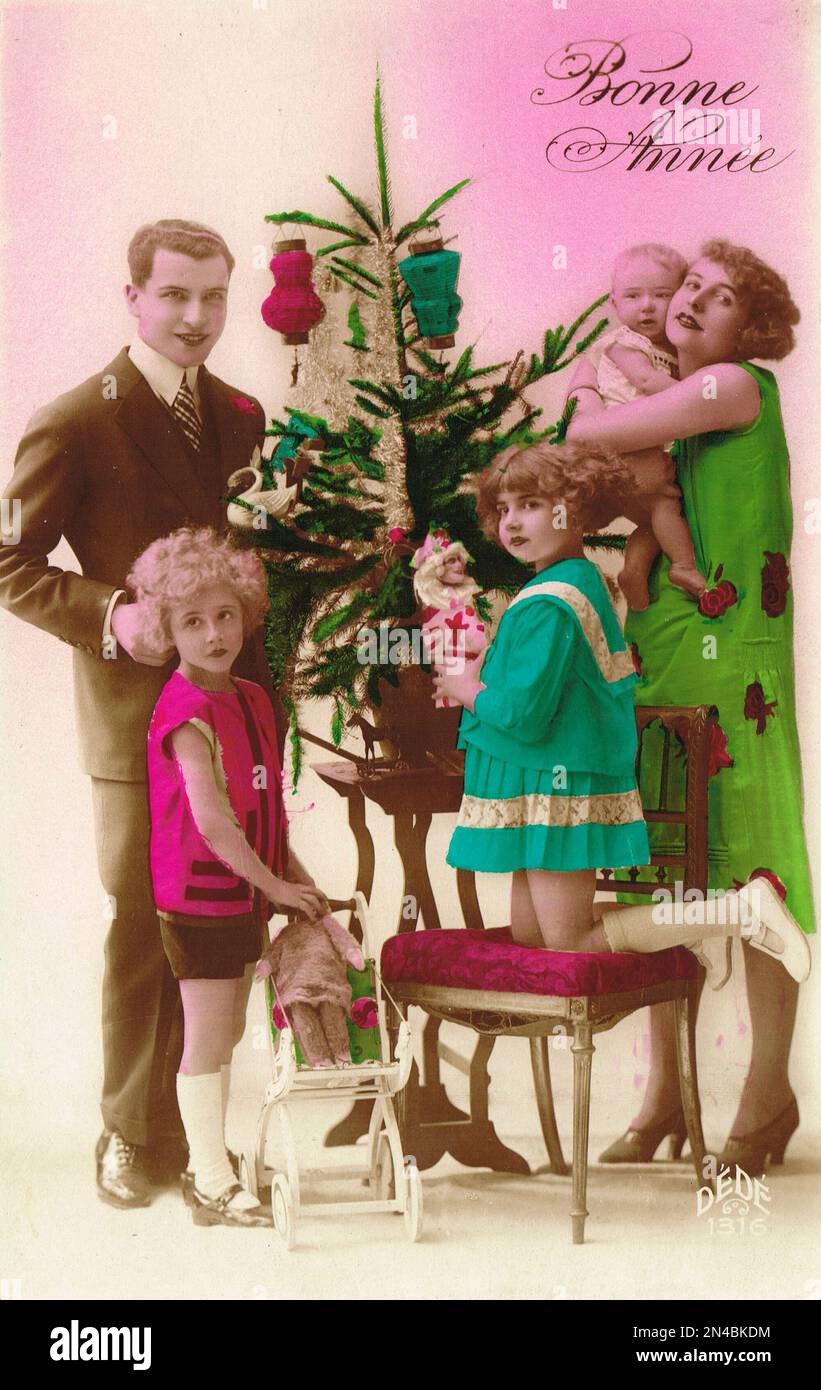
x=185, y=412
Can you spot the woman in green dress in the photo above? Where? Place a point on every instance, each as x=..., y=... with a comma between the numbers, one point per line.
x=732, y=648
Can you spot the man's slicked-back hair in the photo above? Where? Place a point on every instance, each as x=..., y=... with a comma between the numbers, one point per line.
x=173, y=234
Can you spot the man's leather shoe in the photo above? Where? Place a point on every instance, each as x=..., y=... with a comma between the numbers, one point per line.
x=120, y=1180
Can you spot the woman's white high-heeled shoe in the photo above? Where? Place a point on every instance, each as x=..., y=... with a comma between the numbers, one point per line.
x=769, y=914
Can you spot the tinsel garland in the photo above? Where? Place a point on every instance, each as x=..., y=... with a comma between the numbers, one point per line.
x=322, y=384
x=385, y=364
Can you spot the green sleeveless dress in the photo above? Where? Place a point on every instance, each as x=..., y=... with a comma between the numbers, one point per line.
x=733, y=649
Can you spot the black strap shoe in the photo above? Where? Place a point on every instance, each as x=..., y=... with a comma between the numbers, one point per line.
x=187, y=1179
x=120, y=1179
x=218, y=1211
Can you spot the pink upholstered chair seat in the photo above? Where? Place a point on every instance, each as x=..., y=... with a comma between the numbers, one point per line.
x=491, y=961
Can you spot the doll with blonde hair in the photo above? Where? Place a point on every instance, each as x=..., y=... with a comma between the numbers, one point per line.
x=452, y=629
x=218, y=849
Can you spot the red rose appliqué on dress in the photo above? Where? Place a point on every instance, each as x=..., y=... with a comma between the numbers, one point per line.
x=775, y=583
x=714, y=602
x=756, y=707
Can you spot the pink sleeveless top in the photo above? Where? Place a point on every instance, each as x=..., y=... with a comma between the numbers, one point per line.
x=188, y=878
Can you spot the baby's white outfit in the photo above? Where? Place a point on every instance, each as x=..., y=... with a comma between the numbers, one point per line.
x=613, y=385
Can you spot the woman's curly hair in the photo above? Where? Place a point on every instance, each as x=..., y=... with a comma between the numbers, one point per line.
x=171, y=570
x=771, y=312
x=585, y=480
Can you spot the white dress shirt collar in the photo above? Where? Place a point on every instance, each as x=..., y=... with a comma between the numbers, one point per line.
x=163, y=376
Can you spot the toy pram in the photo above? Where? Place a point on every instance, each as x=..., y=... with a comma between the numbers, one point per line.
x=372, y=1074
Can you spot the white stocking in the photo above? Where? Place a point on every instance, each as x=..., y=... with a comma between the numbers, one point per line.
x=644, y=929
x=200, y=1101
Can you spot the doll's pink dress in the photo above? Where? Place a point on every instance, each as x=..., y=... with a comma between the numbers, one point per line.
x=450, y=632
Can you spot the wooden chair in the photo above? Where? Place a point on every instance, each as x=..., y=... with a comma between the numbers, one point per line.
x=435, y=974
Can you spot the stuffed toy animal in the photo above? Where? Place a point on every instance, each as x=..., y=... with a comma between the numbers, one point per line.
x=308, y=961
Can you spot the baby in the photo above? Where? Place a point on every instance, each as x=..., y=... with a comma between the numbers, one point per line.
x=633, y=359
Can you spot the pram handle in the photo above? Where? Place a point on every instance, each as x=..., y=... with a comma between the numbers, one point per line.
x=358, y=905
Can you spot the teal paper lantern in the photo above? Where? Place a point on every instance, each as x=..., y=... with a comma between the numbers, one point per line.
x=430, y=273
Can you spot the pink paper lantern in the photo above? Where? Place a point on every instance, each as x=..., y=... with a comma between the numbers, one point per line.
x=293, y=306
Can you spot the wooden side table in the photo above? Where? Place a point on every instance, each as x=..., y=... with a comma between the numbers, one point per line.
x=432, y=1125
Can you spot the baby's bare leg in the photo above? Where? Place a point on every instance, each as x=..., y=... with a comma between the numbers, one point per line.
x=563, y=906
x=639, y=553
x=673, y=535
x=334, y=1023
x=311, y=1035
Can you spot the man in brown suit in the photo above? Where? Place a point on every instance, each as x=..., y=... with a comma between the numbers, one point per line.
x=141, y=448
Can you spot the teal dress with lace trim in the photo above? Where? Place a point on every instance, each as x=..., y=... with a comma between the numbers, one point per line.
x=733, y=649
x=551, y=744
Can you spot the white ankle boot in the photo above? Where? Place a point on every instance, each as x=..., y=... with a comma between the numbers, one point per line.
x=715, y=954
x=769, y=914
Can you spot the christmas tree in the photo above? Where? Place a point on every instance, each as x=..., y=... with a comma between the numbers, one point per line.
x=396, y=437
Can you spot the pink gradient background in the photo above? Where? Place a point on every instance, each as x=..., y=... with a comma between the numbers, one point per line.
x=229, y=111
x=226, y=112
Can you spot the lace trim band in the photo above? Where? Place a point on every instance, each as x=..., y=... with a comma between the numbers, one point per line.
x=540, y=808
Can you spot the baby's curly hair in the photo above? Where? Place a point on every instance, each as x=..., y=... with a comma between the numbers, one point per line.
x=771, y=312
x=582, y=478
x=174, y=568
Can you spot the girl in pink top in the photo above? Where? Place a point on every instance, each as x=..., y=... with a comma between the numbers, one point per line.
x=218, y=833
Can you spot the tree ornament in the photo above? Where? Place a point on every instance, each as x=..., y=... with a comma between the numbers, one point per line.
x=297, y=468
x=297, y=434
x=397, y=546
x=357, y=339
x=293, y=306
x=430, y=273
x=261, y=503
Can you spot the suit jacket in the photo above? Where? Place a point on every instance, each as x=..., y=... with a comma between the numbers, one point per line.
x=107, y=467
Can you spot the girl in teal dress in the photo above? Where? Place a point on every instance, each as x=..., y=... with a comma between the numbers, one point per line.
x=731, y=648
x=550, y=792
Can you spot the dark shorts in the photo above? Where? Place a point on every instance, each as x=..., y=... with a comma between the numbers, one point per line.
x=211, y=952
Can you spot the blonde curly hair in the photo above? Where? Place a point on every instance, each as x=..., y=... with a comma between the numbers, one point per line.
x=585, y=480
x=174, y=568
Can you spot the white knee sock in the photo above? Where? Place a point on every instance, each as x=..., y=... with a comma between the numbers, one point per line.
x=644, y=929
x=200, y=1102
x=225, y=1085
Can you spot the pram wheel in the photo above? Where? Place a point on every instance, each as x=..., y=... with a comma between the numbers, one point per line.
x=248, y=1173
x=413, y=1202
x=283, y=1210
